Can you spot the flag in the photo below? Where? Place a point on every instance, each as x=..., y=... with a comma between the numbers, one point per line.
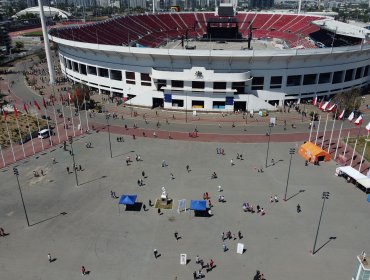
x=358, y=121
x=326, y=104
x=69, y=97
x=351, y=116
x=25, y=108
x=5, y=114
x=15, y=111
x=61, y=99
x=321, y=103
x=368, y=127
x=341, y=115
x=43, y=102
x=314, y=101
x=332, y=108
x=36, y=105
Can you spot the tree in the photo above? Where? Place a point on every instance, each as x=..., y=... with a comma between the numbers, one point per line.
x=348, y=100
x=80, y=94
x=19, y=45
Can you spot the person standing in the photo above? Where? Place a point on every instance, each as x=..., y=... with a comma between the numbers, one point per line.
x=49, y=258
x=176, y=234
x=83, y=270
x=155, y=252
x=67, y=169
x=187, y=168
x=224, y=247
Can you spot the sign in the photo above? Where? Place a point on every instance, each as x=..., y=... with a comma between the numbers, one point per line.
x=183, y=259
x=240, y=248
x=181, y=205
x=194, y=113
x=273, y=121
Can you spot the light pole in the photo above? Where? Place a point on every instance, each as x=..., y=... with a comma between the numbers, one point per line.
x=268, y=143
x=325, y=196
x=16, y=173
x=73, y=158
x=291, y=152
x=110, y=143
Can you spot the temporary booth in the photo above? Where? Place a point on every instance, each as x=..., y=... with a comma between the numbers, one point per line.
x=128, y=201
x=200, y=208
x=354, y=176
x=310, y=152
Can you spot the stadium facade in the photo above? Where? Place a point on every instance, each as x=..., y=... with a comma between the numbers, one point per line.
x=121, y=57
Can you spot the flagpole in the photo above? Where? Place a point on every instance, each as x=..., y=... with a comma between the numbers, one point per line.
x=340, y=132
x=20, y=137
x=64, y=118
x=38, y=125
x=73, y=126
x=345, y=148
x=353, y=153
x=363, y=152
x=323, y=136
x=47, y=122
x=29, y=131
x=56, y=122
x=10, y=139
x=318, y=128
x=87, y=119
x=331, y=135
x=79, y=113
x=312, y=122
x=2, y=156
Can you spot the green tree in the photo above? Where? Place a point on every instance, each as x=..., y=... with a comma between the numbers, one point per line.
x=80, y=94
x=19, y=45
x=348, y=100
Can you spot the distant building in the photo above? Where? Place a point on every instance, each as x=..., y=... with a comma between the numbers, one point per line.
x=260, y=4
x=5, y=41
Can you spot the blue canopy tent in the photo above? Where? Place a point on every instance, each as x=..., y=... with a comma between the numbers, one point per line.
x=127, y=200
x=198, y=205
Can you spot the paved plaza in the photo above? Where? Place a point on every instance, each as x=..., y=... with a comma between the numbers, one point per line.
x=116, y=244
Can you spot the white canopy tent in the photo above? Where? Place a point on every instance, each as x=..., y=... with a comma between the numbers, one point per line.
x=361, y=181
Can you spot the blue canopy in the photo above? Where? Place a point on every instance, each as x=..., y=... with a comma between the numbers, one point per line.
x=198, y=205
x=128, y=199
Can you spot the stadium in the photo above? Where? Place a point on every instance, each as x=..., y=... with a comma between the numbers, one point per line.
x=215, y=61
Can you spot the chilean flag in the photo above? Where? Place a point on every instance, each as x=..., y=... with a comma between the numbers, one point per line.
x=321, y=103
x=314, y=101
x=368, y=127
x=340, y=117
x=25, y=108
x=332, y=108
x=325, y=105
x=15, y=111
x=358, y=121
x=351, y=116
x=36, y=105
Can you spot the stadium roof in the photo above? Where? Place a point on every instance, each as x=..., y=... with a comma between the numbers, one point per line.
x=49, y=12
x=342, y=28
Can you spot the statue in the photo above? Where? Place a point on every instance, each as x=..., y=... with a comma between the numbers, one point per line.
x=164, y=194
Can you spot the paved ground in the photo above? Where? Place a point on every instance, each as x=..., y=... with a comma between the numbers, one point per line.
x=115, y=245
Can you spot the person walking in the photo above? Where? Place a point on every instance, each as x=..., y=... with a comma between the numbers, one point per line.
x=224, y=247
x=150, y=203
x=188, y=168
x=172, y=177
x=155, y=253
x=49, y=258
x=176, y=234
x=67, y=169
x=143, y=174
x=83, y=270
x=2, y=233
x=240, y=235
x=232, y=162
x=159, y=211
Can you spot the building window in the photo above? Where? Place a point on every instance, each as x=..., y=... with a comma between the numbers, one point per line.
x=294, y=81
x=349, y=75
x=160, y=84
x=197, y=104
x=177, y=103
x=309, y=79
x=257, y=83
x=130, y=78
x=177, y=84
x=239, y=86
x=103, y=72
x=145, y=80
x=358, y=73
x=366, y=71
x=276, y=81
x=83, y=70
x=75, y=66
x=219, y=85
x=337, y=77
x=69, y=66
x=116, y=75
x=324, y=78
x=197, y=85
x=91, y=70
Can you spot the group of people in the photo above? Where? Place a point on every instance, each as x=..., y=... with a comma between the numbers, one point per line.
x=249, y=208
x=198, y=274
x=37, y=174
